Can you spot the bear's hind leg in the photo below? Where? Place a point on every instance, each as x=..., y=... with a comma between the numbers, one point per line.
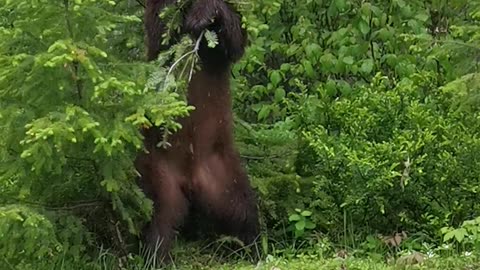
x=170, y=209
x=222, y=189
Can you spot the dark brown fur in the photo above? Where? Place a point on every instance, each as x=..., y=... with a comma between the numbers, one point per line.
x=202, y=167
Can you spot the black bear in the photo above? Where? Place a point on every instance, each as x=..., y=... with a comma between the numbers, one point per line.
x=201, y=167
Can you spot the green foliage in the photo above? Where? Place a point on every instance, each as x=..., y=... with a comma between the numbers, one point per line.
x=382, y=99
x=394, y=157
x=467, y=234
x=41, y=237
x=19, y=225
x=74, y=93
x=300, y=222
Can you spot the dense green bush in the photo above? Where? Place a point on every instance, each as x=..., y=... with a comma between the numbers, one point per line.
x=74, y=90
x=29, y=236
x=382, y=99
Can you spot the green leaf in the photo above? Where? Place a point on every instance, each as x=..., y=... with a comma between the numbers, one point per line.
x=364, y=27
x=366, y=10
x=327, y=62
x=460, y=234
x=300, y=225
x=313, y=50
x=448, y=236
x=341, y=4
x=264, y=112
x=367, y=66
x=110, y=185
x=331, y=88
x=310, y=225
x=285, y=67
x=306, y=213
x=212, y=38
x=422, y=17
x=279, y=94
x=307, y=65
x=348, y=60
x=275, y=78
x=444, y=230
x=294, y=217
x=400, y=3
x=299, y=233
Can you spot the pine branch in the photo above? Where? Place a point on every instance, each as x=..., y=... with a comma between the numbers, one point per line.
x=68, y=207
x=141, y=3
x=75, y=65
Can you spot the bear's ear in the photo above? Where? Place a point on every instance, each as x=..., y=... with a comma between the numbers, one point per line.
x=200, y=16
x=221, y=17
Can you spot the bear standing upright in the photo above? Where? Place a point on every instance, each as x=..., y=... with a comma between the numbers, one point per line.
x=201, y=167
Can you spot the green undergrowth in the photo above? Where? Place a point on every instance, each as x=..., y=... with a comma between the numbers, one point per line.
x=221, y=254
x=192, y=258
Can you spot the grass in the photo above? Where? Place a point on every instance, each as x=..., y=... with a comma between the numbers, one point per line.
x=272, y=263
x=190, y=258
x=208, y=262
x=219, y=256
x=339, y=264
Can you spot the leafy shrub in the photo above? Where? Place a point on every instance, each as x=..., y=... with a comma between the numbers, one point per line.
x=468, y=234
x=74, y=91
x=29, y=236
x=382, y=98
x=396, y=162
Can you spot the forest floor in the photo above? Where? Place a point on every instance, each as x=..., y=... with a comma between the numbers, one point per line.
x=190, y=258
x=447, y=263
x=458, y=262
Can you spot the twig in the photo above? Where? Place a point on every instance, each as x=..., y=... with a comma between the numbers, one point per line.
x=66, y=5
x=256, y=158
x=195, y=50
x=192, y=68
x=72, y=206
x=75, y=64
x=120, y=240
x=141, y=3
